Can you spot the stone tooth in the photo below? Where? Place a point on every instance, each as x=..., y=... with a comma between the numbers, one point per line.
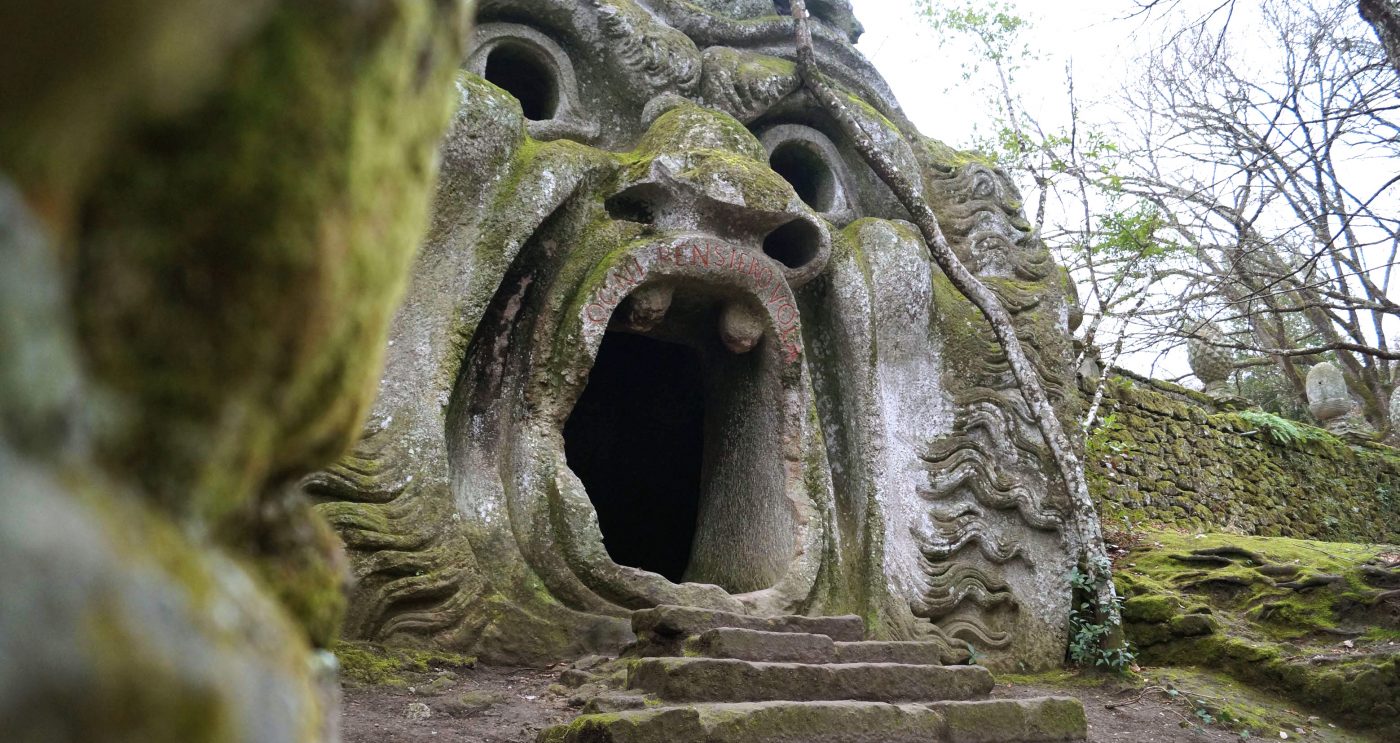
x=647, y=307
x=740, y=327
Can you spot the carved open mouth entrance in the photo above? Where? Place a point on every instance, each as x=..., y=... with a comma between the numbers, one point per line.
x=677, y=439
x=636, y=439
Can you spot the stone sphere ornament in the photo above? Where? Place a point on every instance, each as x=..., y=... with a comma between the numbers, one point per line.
x=1394, y=413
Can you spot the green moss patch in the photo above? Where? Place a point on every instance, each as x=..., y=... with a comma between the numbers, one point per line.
x=1313, y=621
x=1248, y=711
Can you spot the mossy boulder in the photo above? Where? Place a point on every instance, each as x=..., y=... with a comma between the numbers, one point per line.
x=207, y=212
x=1313, y=621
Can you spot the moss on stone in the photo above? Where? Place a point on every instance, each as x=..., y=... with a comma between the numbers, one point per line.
x=1268, y=612
x=380, y=665
x=687, y=126
x=298, y=223
x=1150, y=608
x=1158, y=458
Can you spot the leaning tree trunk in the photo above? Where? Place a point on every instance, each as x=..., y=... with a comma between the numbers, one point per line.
x=1083, y=533
x=1384, y=16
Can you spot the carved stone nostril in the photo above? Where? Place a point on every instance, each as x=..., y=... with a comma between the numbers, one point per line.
x=647, y=307
x=640, y=203
x=795, y=244
x=740, y=327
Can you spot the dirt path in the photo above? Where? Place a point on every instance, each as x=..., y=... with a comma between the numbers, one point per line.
x=483, y=705
x=1153, y=719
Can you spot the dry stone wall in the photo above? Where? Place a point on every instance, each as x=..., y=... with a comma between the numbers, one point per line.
x=1165, y=455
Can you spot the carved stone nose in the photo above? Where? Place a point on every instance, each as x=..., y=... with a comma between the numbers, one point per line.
x=798, y=241
x=702, y=172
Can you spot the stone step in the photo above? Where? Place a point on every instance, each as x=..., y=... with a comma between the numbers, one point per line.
x=912, y=653
x=726, y=680
x=662, y=630
x=688, y=620
x=798, y=647
x=771, y=647
x=1046, y=720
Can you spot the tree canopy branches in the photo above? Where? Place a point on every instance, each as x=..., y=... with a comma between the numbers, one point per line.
x=1250, y=182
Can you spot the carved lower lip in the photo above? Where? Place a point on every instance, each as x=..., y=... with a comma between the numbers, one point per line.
x=677, y=437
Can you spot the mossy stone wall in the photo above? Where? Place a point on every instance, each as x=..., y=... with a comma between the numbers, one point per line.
x=1164, y=456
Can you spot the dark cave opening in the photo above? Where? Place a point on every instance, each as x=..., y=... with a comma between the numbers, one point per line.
x=636, y=439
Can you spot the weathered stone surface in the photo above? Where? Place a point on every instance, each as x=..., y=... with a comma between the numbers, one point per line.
x=1211, y=363
x=717, y=680
x=1394, y=418
x=816, y=699
x=774, y=647
x=614, y=702
x=911, y=652
x=770, y=722
x=1164, y=457
x=1328, y=397
x=791, y=647
x=684, y=621
x=670, y=341
x=1014, y=721
x=1003, y=721
x=1272, y=613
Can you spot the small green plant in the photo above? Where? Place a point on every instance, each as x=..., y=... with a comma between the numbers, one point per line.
x=1281, y=430
x=1204, y=715
x=1091, y=625
x=1101, y=437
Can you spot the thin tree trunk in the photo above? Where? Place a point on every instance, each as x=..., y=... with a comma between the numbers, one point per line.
x=1083, y=532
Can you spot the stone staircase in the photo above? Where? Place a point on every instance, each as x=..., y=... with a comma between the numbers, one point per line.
x=701, y=676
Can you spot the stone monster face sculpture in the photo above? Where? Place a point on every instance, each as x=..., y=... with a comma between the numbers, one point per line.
x=670, y=341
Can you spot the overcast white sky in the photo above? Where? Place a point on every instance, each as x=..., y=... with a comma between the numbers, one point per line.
x=1100, y=38
x=927, y=77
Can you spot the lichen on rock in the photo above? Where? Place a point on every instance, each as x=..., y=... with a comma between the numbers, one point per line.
x=609, y=209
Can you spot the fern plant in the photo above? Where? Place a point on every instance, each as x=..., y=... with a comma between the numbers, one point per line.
x=1281, y=430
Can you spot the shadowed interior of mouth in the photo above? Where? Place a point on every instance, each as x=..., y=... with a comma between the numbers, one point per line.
x=677, y=441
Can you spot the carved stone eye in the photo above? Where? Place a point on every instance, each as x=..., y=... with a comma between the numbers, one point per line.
x=534, y=69
x=795, y=244
x=802, y=165
x=807, y=160
x=521, y=71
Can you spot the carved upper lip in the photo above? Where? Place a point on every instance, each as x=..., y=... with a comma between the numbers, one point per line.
x=749, y=288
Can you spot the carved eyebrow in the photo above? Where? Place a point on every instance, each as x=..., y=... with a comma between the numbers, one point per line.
x=653, y=53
